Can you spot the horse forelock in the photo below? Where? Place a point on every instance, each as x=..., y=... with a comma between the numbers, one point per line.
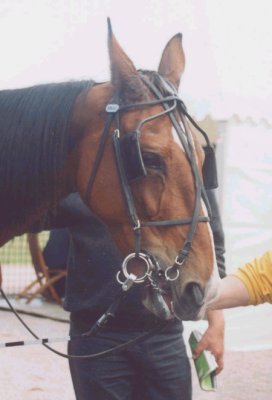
x=34, y=143
x=155, y=78
x=133, y=90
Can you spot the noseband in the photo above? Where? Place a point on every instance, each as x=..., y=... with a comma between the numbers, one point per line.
x=128, y=148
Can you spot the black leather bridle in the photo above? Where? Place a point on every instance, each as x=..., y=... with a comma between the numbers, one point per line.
x=127, y=147
x=130, y=143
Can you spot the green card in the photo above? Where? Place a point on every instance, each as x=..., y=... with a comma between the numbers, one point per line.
x=205, y=364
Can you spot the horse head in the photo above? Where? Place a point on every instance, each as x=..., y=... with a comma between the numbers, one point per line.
x=146, y=183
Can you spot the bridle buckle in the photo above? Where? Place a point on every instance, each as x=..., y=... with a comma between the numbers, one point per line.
x=179, y=263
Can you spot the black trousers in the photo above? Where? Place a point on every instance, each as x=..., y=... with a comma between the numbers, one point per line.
x=155, y=369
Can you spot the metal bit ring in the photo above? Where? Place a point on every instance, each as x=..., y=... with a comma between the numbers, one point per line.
x=148, y=266
x=168, y=277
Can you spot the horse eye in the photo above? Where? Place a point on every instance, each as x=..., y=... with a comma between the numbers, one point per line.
x=154, y=161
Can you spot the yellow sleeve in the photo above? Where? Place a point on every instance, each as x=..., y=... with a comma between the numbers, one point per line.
x=257, y=277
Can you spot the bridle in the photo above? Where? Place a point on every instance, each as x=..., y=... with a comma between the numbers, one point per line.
x=127, y=148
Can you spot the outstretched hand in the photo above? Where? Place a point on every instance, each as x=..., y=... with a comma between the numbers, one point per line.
x=213, y=338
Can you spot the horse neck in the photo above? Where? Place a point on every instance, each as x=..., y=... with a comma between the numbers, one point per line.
x=36, y=167
x=87, y=125
x=32, y=221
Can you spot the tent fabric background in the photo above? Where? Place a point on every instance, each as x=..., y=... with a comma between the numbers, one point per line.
x=246, y=193
x=245, y=196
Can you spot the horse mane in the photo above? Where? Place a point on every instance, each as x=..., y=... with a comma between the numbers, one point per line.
x=35, y=141
x=34, y=144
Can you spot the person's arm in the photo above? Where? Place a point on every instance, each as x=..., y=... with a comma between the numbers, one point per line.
x=249, y=285
x=232, y=293
x=213, y=338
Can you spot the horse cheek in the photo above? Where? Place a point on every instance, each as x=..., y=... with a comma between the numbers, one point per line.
x=151, y=191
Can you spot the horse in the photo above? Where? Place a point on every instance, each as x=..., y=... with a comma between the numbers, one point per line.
x=127, y=148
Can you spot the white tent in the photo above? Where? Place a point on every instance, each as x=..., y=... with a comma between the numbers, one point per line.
x=246, y=200
x=245, y=175
x=242, y=108
x=228, y=77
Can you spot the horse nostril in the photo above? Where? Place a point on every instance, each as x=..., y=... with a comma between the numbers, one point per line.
x=196, y=294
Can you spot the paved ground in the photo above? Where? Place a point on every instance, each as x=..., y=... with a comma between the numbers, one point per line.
x=33, y=373
x=246, y=376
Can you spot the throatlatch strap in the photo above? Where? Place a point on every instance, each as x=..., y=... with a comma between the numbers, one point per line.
x=99, y=155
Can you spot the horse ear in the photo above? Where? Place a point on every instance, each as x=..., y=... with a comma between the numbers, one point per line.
x=124, y=76
x=173, y=60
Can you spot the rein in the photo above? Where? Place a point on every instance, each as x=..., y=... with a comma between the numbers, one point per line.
x=110, y=313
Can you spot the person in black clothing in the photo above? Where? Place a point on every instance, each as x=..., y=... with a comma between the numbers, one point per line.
x=155, y=369
x=55, y=254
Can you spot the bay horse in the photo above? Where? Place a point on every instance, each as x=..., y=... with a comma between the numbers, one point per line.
x=126, y=147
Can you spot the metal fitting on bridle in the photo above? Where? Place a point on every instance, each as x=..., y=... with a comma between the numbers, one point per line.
x=148, y=267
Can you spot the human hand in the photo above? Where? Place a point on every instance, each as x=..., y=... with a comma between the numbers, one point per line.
x=213, y=338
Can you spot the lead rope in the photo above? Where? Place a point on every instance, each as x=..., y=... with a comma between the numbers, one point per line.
x=100, y=323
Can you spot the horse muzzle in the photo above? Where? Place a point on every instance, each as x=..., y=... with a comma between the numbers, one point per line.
x=168, y=296
x=165, y=303
x=188, y=304
x=164, y=294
